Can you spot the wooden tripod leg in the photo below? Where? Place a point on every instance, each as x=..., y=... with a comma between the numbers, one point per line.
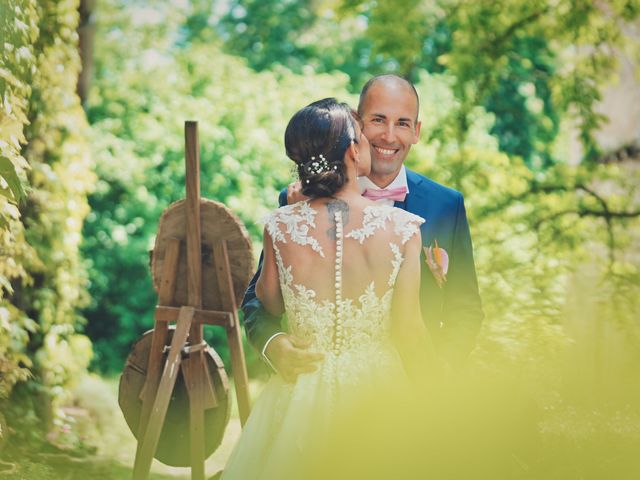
x=192, y=371
x=234, y=338
x=151, y=434
x=234, y=335
x=160, y=332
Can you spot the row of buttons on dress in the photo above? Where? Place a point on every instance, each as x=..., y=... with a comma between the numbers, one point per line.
x=339, y=306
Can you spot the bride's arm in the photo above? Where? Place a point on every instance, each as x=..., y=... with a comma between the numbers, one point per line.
x=408, y=328
x=268, y=285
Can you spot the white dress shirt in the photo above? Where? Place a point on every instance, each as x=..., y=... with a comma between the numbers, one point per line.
x=399, y=181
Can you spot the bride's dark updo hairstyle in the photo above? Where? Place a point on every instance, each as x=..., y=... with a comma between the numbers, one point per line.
x=316, y=139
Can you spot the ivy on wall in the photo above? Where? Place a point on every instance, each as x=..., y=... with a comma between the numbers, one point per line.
x=46, y=176
x=18, y=33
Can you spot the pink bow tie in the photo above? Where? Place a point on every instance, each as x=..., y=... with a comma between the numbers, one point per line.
x=397, y=194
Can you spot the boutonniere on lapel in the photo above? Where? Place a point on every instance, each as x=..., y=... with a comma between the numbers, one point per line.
x=438, y=262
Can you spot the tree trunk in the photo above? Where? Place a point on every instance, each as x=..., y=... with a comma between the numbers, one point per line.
x=86, y=32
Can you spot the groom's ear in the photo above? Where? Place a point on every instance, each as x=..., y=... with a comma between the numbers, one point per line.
x=416, y=135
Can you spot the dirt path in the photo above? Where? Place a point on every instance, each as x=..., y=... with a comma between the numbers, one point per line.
x=121, y=445
x=116, y=445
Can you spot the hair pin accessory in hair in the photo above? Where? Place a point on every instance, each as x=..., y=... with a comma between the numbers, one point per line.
x=318, y=166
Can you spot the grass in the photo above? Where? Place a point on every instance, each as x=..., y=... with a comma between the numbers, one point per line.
x=108, y=446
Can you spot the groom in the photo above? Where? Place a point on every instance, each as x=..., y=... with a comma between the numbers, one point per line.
x=450, y=300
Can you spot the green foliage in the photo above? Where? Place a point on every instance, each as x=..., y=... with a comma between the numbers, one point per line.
x=555, y=57
x=530, y=63
x=534, y=233
x=42, y=275
x=526, y=118
x=303, y=36
x=18, y=31
x=499, y=82
x=492, y=129
x=138, y=143
x=255, y=29
x=17, y=35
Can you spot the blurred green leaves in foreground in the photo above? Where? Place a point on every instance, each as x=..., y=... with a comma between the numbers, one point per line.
x=504, y=88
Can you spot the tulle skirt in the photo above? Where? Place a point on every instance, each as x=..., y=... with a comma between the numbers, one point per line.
x=317, y=427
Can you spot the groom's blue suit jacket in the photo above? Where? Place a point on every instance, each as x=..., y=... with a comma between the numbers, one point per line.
x=453, y=312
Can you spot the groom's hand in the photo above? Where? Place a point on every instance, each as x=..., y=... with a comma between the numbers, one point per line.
x=290, y=357
x=294, y=193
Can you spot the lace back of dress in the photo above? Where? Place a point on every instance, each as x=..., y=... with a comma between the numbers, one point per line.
x=341, y=304
x=368, y=246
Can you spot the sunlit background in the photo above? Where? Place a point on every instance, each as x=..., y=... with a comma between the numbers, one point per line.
x=530, y=108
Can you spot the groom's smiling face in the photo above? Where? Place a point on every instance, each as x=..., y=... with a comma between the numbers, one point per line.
x=389, y=114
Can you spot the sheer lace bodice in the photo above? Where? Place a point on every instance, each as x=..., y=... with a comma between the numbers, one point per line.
x=337, y=270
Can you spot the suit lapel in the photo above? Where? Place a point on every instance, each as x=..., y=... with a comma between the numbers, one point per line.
x=415, y=202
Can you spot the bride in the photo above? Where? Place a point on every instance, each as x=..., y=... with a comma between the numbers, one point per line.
x=346, y=272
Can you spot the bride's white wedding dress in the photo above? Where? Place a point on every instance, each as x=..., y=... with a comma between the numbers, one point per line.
x=337, y=284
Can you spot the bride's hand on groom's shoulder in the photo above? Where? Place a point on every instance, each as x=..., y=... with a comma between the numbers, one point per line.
x=290, y=356
x=294, y=193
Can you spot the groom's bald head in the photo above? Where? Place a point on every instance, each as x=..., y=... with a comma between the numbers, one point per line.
x=390, y=81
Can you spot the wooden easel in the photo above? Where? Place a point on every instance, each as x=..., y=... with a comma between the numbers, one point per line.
x=187, y=339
